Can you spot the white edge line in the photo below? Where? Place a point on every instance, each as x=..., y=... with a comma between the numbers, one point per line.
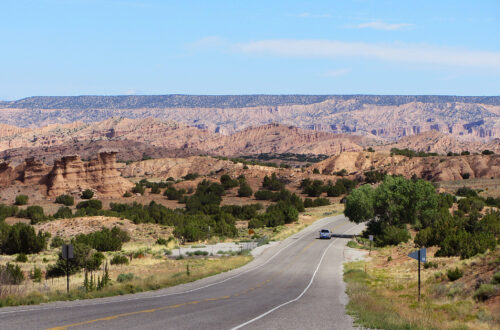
x=174, y=293
x=299, y=296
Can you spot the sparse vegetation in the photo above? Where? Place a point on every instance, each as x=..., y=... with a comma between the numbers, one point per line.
x=65, y=200
x=87, y=194
x=412, y=153
x=21, y=200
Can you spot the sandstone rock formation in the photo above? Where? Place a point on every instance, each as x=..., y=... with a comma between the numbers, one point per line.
x=68, y=175
x=433, y=141
x=440, y=168
x=150, y=133
x=385, y=116
x=177, y=167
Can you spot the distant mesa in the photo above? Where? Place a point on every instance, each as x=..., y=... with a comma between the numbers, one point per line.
x=387, y=117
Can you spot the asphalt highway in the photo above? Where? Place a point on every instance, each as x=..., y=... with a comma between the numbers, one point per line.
x=296, y=284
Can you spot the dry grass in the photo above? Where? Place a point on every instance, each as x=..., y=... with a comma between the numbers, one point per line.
x=151, y=272
x=386, y=295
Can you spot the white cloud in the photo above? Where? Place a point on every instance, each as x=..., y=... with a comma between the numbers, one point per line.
x=405, y=53
x=379, y=25
x=336, y=73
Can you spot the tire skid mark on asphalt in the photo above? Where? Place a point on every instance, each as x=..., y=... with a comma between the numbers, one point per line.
x=295, y=240
x=114, y=317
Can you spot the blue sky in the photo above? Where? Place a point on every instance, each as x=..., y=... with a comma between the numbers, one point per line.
x=76, y=47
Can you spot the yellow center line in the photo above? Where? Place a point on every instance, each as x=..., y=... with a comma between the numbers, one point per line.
x=114, y=317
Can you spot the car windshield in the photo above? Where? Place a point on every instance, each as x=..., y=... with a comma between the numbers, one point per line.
x=325, y=231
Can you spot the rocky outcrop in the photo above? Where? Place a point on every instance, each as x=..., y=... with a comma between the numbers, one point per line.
x=159, y=134
x=71, y=173
x=443, y=143
x=67, y=175
x=432, y=168
x=178, y=167
x=386, y=116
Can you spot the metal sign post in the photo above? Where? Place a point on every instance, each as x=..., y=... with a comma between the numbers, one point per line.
x=370, y=237
x=67, y=253
x=420, y=256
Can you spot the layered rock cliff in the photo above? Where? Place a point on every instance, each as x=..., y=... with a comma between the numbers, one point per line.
x=432, y=168
x=68, y=175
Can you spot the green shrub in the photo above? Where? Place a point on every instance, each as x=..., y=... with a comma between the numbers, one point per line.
x=465, y=176
x=90, y=204
x=119, y=260
x=454, y=274
x=138, y=189
x=487, y=152
x=21, y=257
x=273, y=183
x=466, y=192
x=430, y=264
x=65, y=200
x=496, y=278
x=35, y=213
x=314, y=189
x=125, y=277
x=264, y=195
x=87, y=194
x=243, y=212
x=11, y=274
x=228, y=182
x=173, y=194
x=21, y=200
x=21, y=238
x=471, y=204
x=7, y=211
x=245, y=190
x=105, y=239
x=161, y=241
x=63, y=212
x=36, y=274
x=127, y=194
x=392, y=235
x=485, y=292
x=57, y=241
x=256, y=223
x=191, y=176
x=374, y=176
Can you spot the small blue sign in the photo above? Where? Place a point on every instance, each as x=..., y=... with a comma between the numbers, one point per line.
x=423, y=257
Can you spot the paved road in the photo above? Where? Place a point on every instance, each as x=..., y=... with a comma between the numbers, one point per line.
x=296, y=284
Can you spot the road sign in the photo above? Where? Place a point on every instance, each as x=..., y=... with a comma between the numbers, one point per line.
x=67, y=251
x=420, y=256
x=370, y=237
x=415, y=255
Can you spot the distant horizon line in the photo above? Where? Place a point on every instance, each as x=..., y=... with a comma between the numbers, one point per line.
x=257, y=94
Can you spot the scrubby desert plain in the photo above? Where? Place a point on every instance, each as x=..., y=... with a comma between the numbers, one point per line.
x=133, y=181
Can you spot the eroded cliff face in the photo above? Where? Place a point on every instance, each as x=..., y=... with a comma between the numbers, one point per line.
x=71, y=173
x=432, y=168
x=67, y=175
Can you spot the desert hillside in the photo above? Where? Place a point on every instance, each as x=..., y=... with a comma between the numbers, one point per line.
x=441, y=143
x=438, y=168
x=386, y=116
x=157, y=138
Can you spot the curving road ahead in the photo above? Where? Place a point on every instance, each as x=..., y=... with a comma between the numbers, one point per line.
x=296, y=284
